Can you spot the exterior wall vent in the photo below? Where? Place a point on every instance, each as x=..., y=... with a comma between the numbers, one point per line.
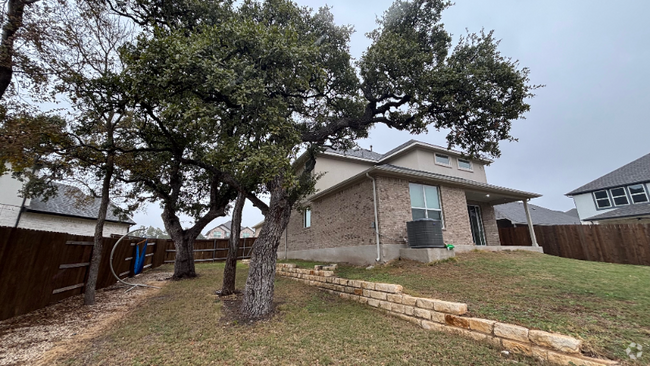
x=425, y=233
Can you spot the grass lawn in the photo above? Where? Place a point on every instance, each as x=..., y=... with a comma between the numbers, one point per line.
x=182, y=325
x=606, y=305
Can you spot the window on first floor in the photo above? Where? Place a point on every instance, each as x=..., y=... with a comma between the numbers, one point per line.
x=602, y=199
x=307, y=217
x=425, y=202
x=619, y=196
x=638, y=193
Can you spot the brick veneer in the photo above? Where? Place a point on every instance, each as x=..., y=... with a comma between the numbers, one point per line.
x=446, y=316
x=341, y=219
x=344, y=218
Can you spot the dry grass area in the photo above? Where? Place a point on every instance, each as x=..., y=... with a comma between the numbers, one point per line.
x=606, y=305
x=41, y=335
x=184, y=325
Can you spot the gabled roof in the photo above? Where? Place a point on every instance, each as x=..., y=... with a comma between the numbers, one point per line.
x=515, y=213
x=624, y=212
x=227, y=226
x=71, y=201
x=637, y=171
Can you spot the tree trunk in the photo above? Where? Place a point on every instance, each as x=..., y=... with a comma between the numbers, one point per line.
x=230, y=270
x=258, y=295
x=14, y=20
x=93, y=271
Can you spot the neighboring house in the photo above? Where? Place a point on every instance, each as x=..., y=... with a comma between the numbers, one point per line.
x=573, y=212
x=621, y=196
x=414, y=180
x=69, y=211
x=223, y=231
x=513, y=214
x=258, y=227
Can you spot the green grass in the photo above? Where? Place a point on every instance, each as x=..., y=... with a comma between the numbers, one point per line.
x=606, y=305
x=181, y=326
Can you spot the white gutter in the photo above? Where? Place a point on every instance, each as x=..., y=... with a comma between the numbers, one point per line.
x=374, y=201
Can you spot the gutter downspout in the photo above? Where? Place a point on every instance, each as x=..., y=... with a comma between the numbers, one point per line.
x=374, y=201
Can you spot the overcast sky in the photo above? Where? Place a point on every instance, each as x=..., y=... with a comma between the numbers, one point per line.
x=589, y=119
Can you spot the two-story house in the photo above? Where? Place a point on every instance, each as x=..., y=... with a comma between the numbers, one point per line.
x=364, y=199
x=223, y=231
x=621, y=196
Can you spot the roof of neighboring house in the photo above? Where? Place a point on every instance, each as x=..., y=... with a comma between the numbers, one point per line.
x=573, y=212
x=637, y=171
x=624, y=212
x=514, y=211
x=71, y=201
x=406, y=172
x=372, y=156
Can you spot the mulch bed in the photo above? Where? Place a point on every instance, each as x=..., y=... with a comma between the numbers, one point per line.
x=25, y=339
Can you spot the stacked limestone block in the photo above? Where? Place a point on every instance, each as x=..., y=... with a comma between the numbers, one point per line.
x=448, y=317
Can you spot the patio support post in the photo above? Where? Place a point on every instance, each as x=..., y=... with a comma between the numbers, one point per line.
x=531, y=229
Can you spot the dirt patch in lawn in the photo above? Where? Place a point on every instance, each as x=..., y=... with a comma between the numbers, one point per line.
x=42, y=335
x=231, y=310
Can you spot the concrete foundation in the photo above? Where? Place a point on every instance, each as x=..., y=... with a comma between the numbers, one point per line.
x=495, y=248
x=359, y=255
x=426, y=255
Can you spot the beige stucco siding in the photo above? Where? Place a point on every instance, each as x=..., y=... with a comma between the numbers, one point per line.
x=336, y=170
x=422, y=159
x=10, y=192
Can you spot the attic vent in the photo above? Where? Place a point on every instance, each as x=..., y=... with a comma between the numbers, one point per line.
x=425, y=233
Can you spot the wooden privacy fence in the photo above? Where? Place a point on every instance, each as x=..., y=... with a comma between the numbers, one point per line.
x=38, y=268
x=620, y=243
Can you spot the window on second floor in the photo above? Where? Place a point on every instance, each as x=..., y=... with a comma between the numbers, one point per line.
x=602, y=199
x=638, y=193
x=217, y=234
x=464, y=164
x=246, y=235
x=442, y=159
x=425, y=202
x=619, y=196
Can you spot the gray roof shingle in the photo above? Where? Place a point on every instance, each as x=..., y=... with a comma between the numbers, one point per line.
x=515, y=212
x=623, y=212
x=357, y=153
x=637, y=171
x=71, y=201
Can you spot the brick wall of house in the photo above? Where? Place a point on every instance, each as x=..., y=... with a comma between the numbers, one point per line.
x=394, y=209
x=454, y=209
x=490, y=224
x=338, y=220
x=344, y=219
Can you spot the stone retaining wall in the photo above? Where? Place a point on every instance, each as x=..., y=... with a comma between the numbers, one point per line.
x=445, y=316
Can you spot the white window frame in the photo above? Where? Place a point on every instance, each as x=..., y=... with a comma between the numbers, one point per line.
x=424, y=195
x=217, y=234
x=611, y=194
x=246, y=235
x=609, y=199
x=306, y=218
x=435, y=160
x=471, y=166
x=645, y=193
